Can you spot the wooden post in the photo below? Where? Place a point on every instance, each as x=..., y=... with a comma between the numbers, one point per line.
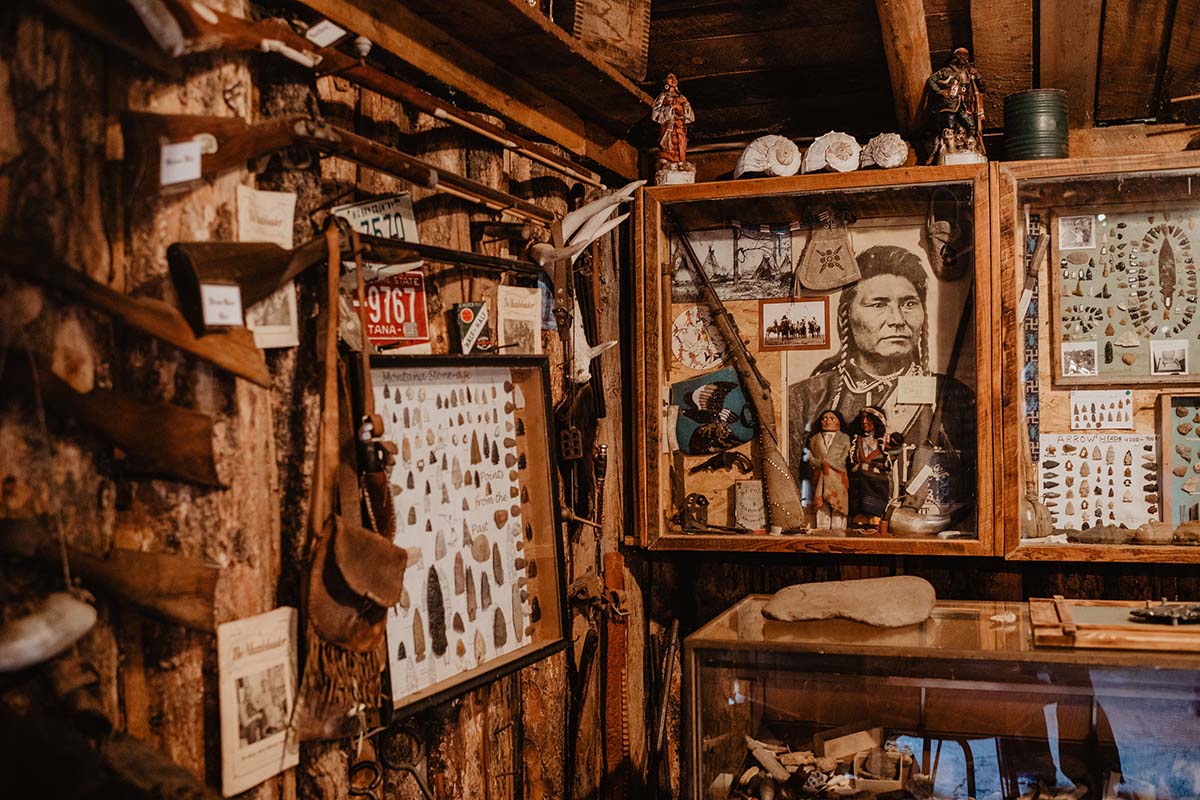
x=906, y=45
x=1002, y=33
x=1069, y=54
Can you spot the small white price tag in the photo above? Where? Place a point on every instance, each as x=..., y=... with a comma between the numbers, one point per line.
x=179, y=163
x=324, y=33
x=221, y=304
x=916, y=390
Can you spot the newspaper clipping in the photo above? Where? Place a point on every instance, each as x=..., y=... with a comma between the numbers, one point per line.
x=257, y=663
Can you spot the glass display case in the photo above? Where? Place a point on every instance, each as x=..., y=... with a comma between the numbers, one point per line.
x=1100, y=398
x=815, y=372
x=963, y=705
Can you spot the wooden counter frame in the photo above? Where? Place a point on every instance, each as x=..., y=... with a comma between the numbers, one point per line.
x=1005, y=178
x=652, y=488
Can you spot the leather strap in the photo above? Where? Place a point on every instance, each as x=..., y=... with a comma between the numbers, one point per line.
x=616, y=721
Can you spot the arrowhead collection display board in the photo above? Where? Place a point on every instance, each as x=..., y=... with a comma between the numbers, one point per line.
x=1100, y=423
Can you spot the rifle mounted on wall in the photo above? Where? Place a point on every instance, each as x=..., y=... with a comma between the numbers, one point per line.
x=260, y=268
x=182, y=27
x=231, y=350
x=228, y=142
x=781, y=496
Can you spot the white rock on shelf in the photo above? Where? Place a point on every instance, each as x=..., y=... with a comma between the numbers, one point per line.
x=887, y=150
x=886, y=602
x=837, y=151
x=770, y=155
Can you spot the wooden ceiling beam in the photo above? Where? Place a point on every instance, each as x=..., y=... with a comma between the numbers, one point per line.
x=1069, y=54
x=906, y=46
x=431, y=50
x=1002, y=40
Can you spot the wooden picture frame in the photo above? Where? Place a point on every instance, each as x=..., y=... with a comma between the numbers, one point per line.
x=1075, y=304
x=662, y=478
x=1104, y=624
x=1019, y=189
x=498, y=569
x=816, y=307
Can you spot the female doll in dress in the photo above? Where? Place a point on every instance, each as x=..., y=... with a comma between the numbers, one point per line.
x=870, y=468
x=829, y=449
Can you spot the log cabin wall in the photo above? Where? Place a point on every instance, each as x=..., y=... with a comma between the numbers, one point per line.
x=61, y=188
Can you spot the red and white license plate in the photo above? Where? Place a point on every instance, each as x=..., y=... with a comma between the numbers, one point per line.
x=396, y=313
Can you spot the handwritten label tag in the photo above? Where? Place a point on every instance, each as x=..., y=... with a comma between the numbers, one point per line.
x=266, y=216
x=916, y=390
x=324, y=33
x=221, y=304
x=179, y=163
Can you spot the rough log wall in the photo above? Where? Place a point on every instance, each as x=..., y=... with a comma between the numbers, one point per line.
x=60, y=184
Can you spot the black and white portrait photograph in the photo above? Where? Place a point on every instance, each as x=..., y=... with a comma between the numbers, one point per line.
x=1079, y=358
x=896, y=328
x=1077, y=233
x=801, y=324
x=1169, y=357
x=262, y=704
x=743, y=262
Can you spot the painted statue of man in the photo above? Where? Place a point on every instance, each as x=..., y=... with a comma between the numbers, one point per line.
x=957, y=101
x=673, y=113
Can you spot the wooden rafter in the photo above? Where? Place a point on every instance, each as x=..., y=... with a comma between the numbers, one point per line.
x=906, y=46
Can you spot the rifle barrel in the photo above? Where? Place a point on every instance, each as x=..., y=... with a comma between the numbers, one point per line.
x=398, y=251
x=231, y=31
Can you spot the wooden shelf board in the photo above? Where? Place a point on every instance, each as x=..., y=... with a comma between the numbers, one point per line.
x=1118, y=553
x=761, y=543
x=525, y=42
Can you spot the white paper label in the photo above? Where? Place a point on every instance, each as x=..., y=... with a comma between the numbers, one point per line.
x=221, y=304
x=916, y=390
x=324, y=33
x=179, y=163
x=266, y=216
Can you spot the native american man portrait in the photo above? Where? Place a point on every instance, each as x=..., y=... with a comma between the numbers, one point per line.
x=883, y=330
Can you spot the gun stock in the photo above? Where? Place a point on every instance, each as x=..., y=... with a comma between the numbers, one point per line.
x=232, y=350
x=172, y=587
x=258, y=268
x=781, y=496
x=228, y=142
x=214, y=29
x=158, y=439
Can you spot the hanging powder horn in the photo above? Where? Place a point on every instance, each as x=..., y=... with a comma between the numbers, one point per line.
x=781, y=496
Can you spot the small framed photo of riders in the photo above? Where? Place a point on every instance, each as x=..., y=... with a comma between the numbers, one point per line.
x=796, y=324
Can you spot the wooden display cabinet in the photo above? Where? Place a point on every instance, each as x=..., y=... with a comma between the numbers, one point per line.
x=760, y=228
x=1114, y=310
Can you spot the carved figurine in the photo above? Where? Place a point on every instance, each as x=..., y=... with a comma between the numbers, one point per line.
x=956, y=93
x=870, y=467
x=673, y=113
x=829, y=450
